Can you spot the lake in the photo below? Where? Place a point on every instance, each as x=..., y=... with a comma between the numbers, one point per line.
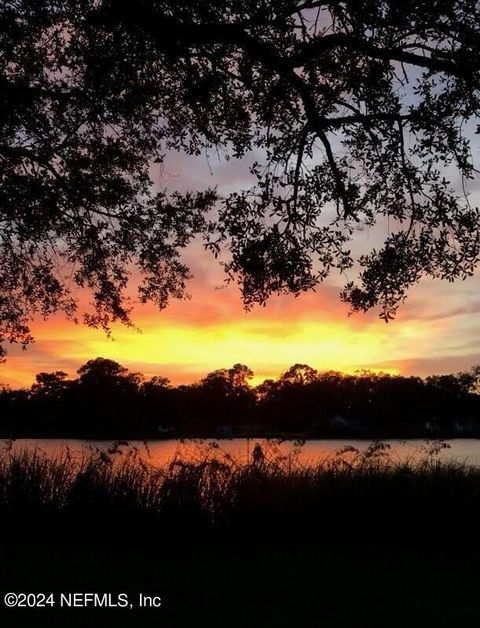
x=310, y=452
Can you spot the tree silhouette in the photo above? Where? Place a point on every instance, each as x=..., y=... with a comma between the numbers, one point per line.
x=50, y=385
x=359, y=113
x=299, y=374
x=107, y=401
x=223, y=398
x=106, y=395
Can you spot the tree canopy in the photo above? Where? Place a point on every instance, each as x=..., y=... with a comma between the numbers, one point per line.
x=359, y=113
x=107, y=400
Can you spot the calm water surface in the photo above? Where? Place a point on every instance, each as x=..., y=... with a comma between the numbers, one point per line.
x=310, y=452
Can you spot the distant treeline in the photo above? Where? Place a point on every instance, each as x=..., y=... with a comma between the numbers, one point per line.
x=106, y=400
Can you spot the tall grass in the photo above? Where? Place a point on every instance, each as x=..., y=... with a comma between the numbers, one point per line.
x=351, y=493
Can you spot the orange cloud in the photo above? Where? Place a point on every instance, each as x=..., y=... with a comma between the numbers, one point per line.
x=191, y=338
x=436, y=330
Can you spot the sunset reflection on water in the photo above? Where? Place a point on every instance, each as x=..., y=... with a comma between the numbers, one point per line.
x=311, y=452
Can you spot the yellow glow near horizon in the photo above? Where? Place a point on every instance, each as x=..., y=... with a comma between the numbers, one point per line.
x=320, y=344
x=185, y=353
x=192, y=338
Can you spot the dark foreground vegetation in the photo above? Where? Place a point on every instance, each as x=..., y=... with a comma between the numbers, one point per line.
x=106, y=400
x=352, y=494
x=358, y=540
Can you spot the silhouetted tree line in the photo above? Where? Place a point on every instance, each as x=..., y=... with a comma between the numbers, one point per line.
x=106, y=400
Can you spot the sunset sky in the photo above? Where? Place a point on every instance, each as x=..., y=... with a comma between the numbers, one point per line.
x=436, y=331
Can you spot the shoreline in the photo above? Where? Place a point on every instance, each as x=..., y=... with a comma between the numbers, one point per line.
x=240, y=436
